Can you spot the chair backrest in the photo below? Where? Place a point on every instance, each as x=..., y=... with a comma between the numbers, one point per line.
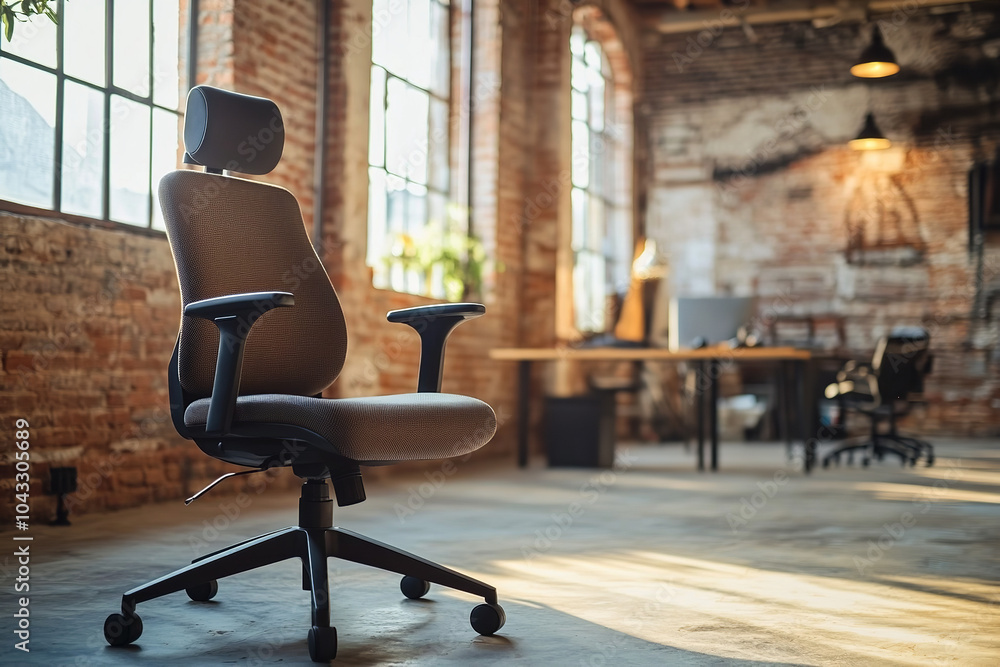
x=230, y=235
x=901, y=361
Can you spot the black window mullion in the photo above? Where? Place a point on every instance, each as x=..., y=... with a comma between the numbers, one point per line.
x=109, y=52
x=30, y=63
x=149, y=170
x=385, y=125
x=409, y=83
x=60, y=98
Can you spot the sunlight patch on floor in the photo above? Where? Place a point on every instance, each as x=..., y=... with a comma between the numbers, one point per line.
x=692, y=603
x=922, y=492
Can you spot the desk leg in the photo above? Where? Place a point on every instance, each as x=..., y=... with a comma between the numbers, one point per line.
x=713, y=411
x=785, y=403
x=802, y=389
x=699, y=409
x=523, y=411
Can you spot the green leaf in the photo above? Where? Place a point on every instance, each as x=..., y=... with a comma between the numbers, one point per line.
x=8, y=21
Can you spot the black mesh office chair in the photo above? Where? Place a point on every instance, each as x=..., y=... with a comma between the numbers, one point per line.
x=251, y=360
x=882, y=391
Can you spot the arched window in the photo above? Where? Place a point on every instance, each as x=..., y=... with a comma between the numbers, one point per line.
x=601, y=196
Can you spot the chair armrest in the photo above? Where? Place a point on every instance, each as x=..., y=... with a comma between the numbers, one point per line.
x=434, y=324
x=237, y=305
x=234, y=315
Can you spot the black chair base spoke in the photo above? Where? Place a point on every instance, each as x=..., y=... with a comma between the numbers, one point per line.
x=314, y=545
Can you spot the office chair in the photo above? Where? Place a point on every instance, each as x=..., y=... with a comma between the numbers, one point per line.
x=262, y=334
x=882, y=391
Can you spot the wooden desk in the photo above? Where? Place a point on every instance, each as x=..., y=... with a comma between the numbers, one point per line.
x=709, y=362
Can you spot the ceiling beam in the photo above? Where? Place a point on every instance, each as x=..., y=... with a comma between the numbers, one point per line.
x=676, y=22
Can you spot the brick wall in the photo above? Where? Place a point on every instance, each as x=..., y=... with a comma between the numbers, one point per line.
x=89, y=319
x=753, y=190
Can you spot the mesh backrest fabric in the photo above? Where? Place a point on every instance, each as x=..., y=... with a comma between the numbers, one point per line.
x=230, y=236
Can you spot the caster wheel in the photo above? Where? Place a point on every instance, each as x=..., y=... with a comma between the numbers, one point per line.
x=486, y=619
x=930, y=460
x=120, y=630
x=865, y=462
x=414, y=588
x=203, y=592
x=322, y=644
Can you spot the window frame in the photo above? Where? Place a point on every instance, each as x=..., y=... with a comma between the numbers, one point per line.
x=107, y=91
x=609, y=164
x=426, y=285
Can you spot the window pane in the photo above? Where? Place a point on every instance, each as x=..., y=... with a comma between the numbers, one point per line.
x=378, y=241
x=579, y=105
x=579, y=200
x=592, y=55
x=596, y=95
x=129, y=161
x=420, y=54
x=599, y=162
x=416, y=209
x=395, y=197
x=619, y=239
x=437, y=211
x=166, y=139
x=83, y=150
x=588, y=293
x=34, y=40
x=406, y=131
x=166, y=53
x=27, y=133
x=581, y=154
x=579, y=76
x=441, y=49
x=83, y=40
x=439, y=145
x=389, y=36
x=131, y=46
x=376, y=119
x=595, y=223
x=576, y=41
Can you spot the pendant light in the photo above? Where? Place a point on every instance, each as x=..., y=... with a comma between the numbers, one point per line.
x=870, y=138
x=877, y=60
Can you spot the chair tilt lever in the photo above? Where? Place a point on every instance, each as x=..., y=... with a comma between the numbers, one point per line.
x=212, y=485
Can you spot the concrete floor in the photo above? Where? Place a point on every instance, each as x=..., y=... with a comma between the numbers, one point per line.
x=649, y=564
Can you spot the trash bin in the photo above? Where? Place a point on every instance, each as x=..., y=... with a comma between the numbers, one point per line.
x=580, y=430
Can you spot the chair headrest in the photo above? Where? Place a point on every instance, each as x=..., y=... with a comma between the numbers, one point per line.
x=232, y=131
x=908, y=331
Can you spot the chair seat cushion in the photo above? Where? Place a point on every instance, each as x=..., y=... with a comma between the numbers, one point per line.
x=373, y=430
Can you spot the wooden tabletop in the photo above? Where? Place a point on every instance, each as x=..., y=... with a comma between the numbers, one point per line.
x=648, y=354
